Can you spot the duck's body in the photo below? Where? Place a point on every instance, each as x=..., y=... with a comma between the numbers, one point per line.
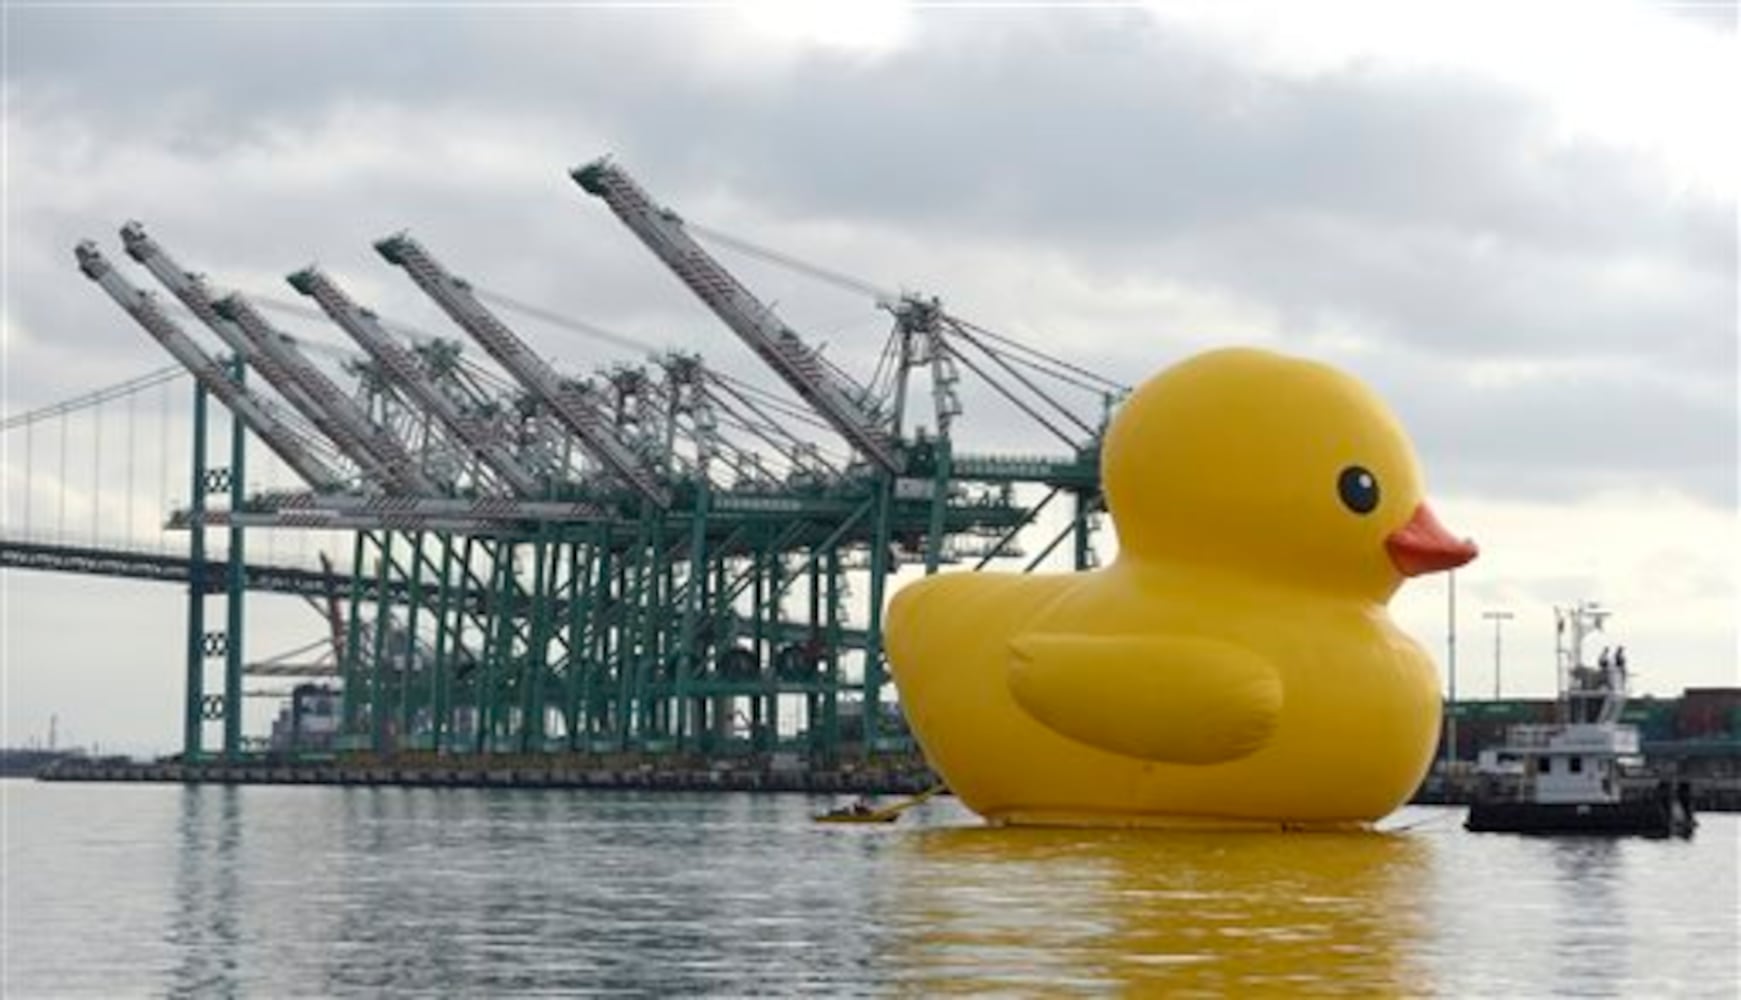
x=1310, y=669
x=1190, y=682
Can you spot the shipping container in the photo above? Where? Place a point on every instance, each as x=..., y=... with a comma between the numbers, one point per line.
x=1707, y=713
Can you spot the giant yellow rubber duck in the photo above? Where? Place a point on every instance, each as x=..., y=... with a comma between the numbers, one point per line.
x=1235, y=665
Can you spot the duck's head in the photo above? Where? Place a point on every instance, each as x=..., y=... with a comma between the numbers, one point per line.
x=1255, y=462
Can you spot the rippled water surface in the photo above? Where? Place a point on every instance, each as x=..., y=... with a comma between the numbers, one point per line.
x=127, y=890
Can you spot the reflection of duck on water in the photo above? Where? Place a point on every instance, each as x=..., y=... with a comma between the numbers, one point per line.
x=1157, y=912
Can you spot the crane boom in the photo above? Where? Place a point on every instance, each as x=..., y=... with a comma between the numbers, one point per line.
x=272, y=365
x=208, y=371
x=576, y=412
x=772, y=340
x=401, y=365
x=346, y=423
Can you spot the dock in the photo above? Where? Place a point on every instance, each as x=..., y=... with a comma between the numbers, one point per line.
x=621, y=772
x=898, y=775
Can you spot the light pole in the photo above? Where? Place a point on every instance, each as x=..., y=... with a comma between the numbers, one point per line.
x=1451, y=670
x=1498, y=618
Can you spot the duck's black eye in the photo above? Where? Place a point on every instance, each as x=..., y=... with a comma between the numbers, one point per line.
x=1358, y=489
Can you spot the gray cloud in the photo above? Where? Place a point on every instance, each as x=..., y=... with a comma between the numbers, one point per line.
x=1435, y=214
x=1567, y=433
x=1116, y=187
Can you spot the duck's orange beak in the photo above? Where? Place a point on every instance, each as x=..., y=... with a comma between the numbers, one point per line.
x=1424, y=546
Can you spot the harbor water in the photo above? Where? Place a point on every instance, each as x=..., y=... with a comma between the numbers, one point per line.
x=320, y=891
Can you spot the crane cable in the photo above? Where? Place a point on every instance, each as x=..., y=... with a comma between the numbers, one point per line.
x=1025, y=381
x=836, y=278
x=568, y=323
x=1016, y=345
x=883, y=297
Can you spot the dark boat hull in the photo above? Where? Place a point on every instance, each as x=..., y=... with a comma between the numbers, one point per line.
x=1638, y=817
x=876, y=817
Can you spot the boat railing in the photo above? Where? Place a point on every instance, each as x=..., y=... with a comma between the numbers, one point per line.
x=1531, y=735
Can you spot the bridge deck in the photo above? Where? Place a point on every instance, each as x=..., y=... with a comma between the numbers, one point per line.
x=165, y=567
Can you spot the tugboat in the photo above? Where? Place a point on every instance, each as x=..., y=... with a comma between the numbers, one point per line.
x=1582, y=774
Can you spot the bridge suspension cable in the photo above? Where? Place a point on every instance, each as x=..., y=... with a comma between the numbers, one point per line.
x=82, y=479
x=95, y=397
x=163, y=462
x=29, y=475
x=96, y=466
x=60, y=516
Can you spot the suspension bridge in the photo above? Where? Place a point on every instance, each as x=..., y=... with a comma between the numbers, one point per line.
x=653, y=557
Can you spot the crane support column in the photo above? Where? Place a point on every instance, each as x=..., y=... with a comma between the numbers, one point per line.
x=193, y=710
x=537, y=659
x=689, y=659
x=1084, y=540
x=440, y=668
x=377, y=668
x=873, y=641
x=939, y=504
x=413, y=605
x=350, y=669
x=236, y=582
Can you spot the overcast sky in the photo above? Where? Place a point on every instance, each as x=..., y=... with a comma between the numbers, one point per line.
x=1517, y=221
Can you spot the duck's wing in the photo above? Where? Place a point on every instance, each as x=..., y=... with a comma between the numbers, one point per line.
x=1181, y=700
